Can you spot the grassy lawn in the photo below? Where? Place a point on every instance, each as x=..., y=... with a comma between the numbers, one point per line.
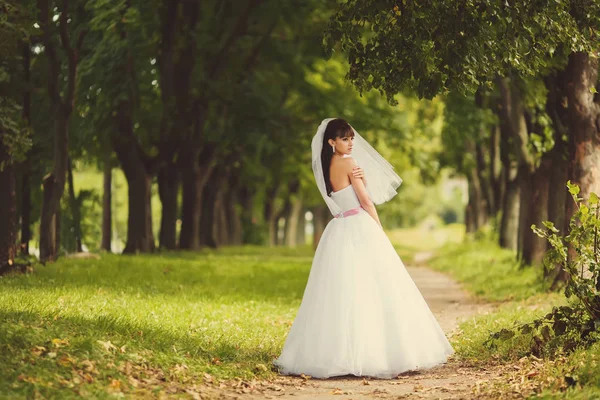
x=135, y=323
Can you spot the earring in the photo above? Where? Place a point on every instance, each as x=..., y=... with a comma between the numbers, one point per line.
x=333, y=148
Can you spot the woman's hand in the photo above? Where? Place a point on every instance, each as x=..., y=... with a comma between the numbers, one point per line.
x=358, y=172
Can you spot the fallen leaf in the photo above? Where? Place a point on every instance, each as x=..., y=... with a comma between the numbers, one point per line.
x=66, y=361
x=60, y=342
x=115, y=384
x=38, y=350
x=261, y=367
x=337, y=391
x=108, y=346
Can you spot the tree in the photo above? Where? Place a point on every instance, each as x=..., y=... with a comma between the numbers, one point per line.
x=436, y=47
x=14, y=140
x=62, y=103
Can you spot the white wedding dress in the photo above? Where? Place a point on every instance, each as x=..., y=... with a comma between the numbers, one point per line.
x=361, y=313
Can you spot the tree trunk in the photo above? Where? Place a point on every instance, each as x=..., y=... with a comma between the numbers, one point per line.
x=107, y=204
x=283, y=216
x=474, y=206
x=509, y=224
x=525, y=179
x=234, y=220
x=514, y=133
x=583, y=125
x=208, y=219
x=140, y=237
x=196, y=169
x=168, y=189
x=8, y=209
x=53, y=188
x=301, y=232
x=294, y=216
x=484, y=174
x=189, y=238
x=270, y=212
x=75, y=208
x=534, y=247
x=62, y=103
x=248, y=221
x=25, y=208
x=497, y=179
x=26, y=166
x=556, y=107
x=320, y=218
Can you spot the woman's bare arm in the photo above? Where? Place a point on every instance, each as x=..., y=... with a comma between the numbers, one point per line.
x=361, y=191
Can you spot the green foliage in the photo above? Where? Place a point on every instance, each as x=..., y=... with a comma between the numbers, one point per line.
x=465, y=124
x=433, y=47
x=578, y=252
x=14, y=133
x=562, y=330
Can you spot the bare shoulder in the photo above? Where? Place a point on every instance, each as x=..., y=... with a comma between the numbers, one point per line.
x=348, y=162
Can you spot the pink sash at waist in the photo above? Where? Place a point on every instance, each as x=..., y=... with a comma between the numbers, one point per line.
x=347, y=213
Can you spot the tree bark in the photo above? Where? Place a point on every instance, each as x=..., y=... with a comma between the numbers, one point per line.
x=234, y=220
x=168, y=189
x=320, y=218
x=246, y=199
x=140, y=237
x=107, y=204
x=556, y=107
x=61, y=108
x=208, y=217
x=534, y=247
x=301, y=231
x=25, y=197
x=53, y=188
x=8, y=209
x=271, y=214
x=484, y=174
x=497, y=179
x=525, y=179
x=583, y=124
x=75, y=208
x=196, y=170
x=474, y=206
x=294, y=216
x=514, y=155
x=25, y=208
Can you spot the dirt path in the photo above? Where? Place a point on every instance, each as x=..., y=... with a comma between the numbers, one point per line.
x=450, y=304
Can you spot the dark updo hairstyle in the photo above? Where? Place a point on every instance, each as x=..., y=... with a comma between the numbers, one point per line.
x=336, y=128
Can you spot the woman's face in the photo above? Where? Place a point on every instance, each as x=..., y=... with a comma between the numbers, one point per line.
x=342, y=145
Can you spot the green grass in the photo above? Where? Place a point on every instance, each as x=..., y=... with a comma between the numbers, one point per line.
x=488, y=271
x=89, y=327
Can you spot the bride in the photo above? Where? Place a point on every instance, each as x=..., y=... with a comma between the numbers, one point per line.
x=361, y=313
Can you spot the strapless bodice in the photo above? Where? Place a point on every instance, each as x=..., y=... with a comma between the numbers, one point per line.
x=346, y=198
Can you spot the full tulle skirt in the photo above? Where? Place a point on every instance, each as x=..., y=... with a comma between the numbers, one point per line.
x=361, y=313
